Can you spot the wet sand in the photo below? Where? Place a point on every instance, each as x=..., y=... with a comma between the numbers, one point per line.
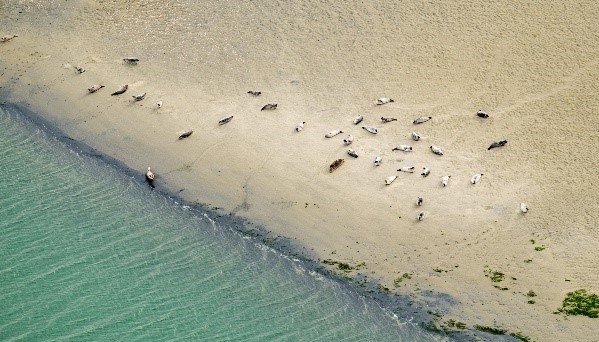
x=531, y=66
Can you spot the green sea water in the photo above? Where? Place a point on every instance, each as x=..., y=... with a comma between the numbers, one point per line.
x=88, y=253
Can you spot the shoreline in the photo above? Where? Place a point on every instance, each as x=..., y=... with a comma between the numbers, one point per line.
x=258, y=169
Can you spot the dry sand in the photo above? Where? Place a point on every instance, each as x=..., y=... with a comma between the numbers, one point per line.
x=532, y=65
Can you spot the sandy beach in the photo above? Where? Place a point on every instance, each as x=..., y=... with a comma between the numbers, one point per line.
x=533, y=66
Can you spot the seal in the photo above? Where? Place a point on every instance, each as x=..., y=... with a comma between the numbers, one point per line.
x=422, y=119
x=425, y=172
x=94, y=88
x=225, y=120
x=269, y=106
x=150, y=176
x=185, y=134
x=348, y=140
x=121, y=90
x=300, y=126
x=420, y=216
x=333, y=133
x=378, y=161
x=523, y=208
x=254, y=92
x=404, y=148
x=419, y=201
x=383, y=100
x=408, y=169
x=415, y=136
x=390, y=179
x=436, y=150
x=445, y=180
x=79, y=69
x=352, y=152
x=358, y=119
x=497, y=144
x=131, y=60
x=482, y=114
x=371, y=129
x=7, y=38
x=139, y=97
x=386, y=119
x=476, y=178
x=159, y=104
x=335, y=165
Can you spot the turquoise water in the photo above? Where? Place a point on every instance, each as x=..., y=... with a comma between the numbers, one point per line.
x=87, y=253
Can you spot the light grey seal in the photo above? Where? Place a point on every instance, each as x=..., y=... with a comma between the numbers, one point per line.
x=419, y=201
x=131, y=60
x=523, y=208
x=150, y=176
x=348, y=140
x=436, y=150
x=422, y=119
x=159, y=104
x=404, y=148
x=185, y=134
x=300, y=126
x=371, y=129
x=333, y=133
x=415, y=136
x=8, y=37
x=408, y=169
x=497, y=144
x=390, y=179
x=378, y=161
x=225, y=120
x=269, y=106
x=425, y=172
x=95, y=88
x=139, y=97
x=79, y=69
x=386, y=119
x=352, y=152
x=121, y=90
x=445, y=180
x=420, y=216
x=383, y=100
x=482, y=114
x=255, y=92
x=476, y=178
x=358, y=119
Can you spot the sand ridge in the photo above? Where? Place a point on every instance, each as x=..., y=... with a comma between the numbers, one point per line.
x=535, y=78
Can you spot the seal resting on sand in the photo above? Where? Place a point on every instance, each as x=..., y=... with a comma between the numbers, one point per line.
x=159, y=104
x=150, y=176
x=225, y=120
x=358, y=119
x=333, y=133
x=8, y=37
x=386, y=119
x=80, y=69
x=352, y=152
x=348, y=140
x=95, y=88
x=269, y=106
x=121, y=90
x=335, y=165
x=378, y=161
x=419, y=201
x=482, y=114
x=497, y=144
x=523, y=208
x=371, y=129
x=131, y=60
x=445, y=180
x=476, y=178
x=422, y=119
x=390, y=179
x=425, y=172
x=185, y=134
x=383, y=100
x=139, y=97
x=415, y=136
x=404, y=148
x=436, y=150
x=420, y=216
x=300, y=126
x=408, y=169
x=254, y=92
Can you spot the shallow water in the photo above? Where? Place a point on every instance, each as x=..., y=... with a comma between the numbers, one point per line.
x=90, y=254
